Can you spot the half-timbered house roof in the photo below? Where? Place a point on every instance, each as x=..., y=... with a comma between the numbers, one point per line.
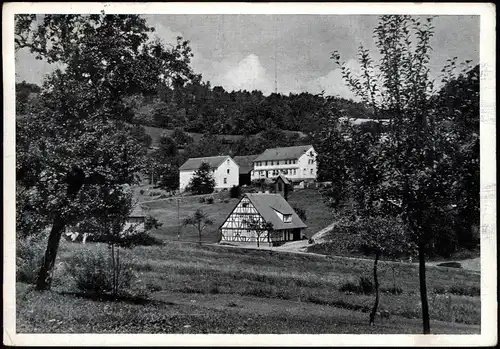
x=245, y=162
x=285, y=153
x=269, y=204
x=195, y=163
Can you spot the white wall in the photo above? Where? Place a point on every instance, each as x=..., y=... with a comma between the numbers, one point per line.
x=302, y=168
x=232, y=178
x=184, y=178
x=305, y=167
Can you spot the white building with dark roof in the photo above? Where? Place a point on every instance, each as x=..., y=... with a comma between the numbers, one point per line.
x=295, y=163
x=224, y=171
x=262, y=208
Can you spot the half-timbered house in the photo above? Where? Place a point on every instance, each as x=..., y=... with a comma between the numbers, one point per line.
x=263, y=216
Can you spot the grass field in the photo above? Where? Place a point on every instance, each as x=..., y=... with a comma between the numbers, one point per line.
x=216, y=289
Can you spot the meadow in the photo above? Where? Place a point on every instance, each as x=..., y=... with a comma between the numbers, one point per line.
x=171, y=211
x=192, y=288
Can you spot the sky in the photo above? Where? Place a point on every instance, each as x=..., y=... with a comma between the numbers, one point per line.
x=247, y=51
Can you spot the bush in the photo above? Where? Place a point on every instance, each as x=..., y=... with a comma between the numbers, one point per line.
x=29, y=256
x=302, y=213
x=152, y=223
x=235, y=192
x=450, y=265
x=396, y=290
x=439, y=290
x=363, y=286
x=141, y=191
x=141, y=239
x=93, y=274
x=202, y=200
x=210, y=200
x=136, y=239
x=472, y=291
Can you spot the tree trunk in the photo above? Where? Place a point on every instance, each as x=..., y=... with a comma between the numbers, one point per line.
x=423, y=289
x=377, y=293
x=44, y=279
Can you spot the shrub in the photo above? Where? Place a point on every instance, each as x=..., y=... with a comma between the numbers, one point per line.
x=95, y=275
x=235, y=192
x=472, y=291
x=210, y=200
x=396, y=290
x=450, y=265
x=366, y=285
x=202, y=200
x=136, y=239
x=439, y=290
x=29, y=256
x=152, y=223
x=363, y=286
x=302, y=213
x=141, y=191
x=141, y=239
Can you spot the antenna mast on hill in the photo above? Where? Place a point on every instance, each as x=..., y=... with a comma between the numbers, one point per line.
x=275, y=66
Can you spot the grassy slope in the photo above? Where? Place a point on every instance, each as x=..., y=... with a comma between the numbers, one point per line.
x=216, y=289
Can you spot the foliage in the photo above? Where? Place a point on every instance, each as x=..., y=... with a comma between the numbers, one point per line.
x=363, y=286
x=95, y=274
x=410, y=171
x=209, y=200
x=181, y=137
x=152, y=223
x=235, y=192
x=202, y=181
x=29, y=254
x=139, y=132
x=25, y=93
x=200, y=220
x=301, y=212
x=78, y=141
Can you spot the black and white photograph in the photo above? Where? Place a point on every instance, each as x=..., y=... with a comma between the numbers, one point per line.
x=273, y=170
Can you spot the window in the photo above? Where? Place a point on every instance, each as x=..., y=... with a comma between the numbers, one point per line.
x=227, y=161
x=228, y=170
x=305, y=171
x=287, y=218
x=225, y=180
x=266, y=163
x=245, y=204
x=312, y=171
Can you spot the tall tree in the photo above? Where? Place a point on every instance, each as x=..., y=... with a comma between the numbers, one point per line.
x=414, y=157
x=78, y=138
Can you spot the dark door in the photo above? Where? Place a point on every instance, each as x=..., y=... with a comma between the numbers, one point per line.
x=296, y=234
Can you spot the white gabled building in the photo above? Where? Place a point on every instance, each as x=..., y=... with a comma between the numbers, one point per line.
x=252, y=213
x=295, y=163
x=224, y=170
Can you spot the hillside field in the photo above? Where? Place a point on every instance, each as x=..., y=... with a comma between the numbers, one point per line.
x=168, y=210
x=217, y=289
